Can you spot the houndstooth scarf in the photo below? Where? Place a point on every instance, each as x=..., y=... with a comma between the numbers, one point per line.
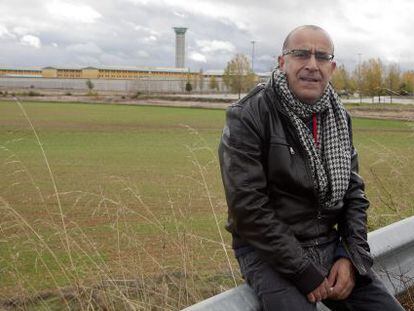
x=331, y=160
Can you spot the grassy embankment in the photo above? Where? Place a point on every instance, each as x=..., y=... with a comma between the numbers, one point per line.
x=131, y=212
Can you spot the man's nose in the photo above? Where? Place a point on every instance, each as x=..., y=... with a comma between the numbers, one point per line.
x=312, y=63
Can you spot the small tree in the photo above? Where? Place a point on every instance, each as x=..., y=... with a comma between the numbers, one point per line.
x=213, y=85
x=201, y=80
x=188, y=87
x=372, y=72
x=407, y=82
x=238, y=75
x=90, y=85
x=342, y=81
x=393, y=79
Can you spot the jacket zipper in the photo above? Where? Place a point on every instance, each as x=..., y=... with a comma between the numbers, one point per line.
x=309, y=173
x=307, y=165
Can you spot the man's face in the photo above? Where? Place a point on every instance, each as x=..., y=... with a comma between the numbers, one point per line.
x=308, y=77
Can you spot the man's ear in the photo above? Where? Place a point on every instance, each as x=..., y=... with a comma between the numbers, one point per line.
x=333, y=66
x=281, y=62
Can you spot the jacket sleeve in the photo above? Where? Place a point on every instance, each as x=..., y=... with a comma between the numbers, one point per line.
x=353, y=221
x=243, y=172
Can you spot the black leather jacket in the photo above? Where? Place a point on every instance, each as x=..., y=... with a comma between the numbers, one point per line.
x=272, y=203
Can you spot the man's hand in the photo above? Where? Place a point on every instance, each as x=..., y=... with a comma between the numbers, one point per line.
x=342, y=279
x=322, y=292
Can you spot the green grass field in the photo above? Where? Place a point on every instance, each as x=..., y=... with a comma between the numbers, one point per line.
x=134, y=193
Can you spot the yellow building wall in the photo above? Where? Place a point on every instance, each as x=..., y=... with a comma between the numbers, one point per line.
x=49, y=73
x=19, y=72
x=93, y=73
x=90, y=73
x=69, y=73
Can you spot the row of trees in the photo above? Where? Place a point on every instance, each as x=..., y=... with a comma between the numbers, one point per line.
x=373, y=78
x=238, y=77
x=193, y=83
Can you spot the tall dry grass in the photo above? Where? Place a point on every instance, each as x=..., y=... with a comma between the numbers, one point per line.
x=132, y=257
x=117, y=249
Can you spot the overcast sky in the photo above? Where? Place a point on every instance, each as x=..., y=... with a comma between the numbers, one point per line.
x=139, y=32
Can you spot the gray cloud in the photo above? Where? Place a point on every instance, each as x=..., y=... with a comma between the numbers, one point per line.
x=139, y=32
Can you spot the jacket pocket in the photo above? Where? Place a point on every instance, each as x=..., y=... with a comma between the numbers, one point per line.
x=280, y=141
x=277, y=140
x=286, y=167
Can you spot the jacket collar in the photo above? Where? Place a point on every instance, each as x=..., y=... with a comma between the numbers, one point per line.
x=275, y=98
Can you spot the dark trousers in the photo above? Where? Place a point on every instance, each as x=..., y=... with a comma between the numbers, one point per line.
x=277, y=293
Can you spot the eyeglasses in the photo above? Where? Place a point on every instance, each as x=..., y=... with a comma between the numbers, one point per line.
x=306, y=54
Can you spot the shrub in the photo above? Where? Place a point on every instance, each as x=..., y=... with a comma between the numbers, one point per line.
x=136, y=95
x=34, y=93
x=188, y=87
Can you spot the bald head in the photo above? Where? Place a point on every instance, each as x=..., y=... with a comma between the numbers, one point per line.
x=306, y=27
x=307, y=72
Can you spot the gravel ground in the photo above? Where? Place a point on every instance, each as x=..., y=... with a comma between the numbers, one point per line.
x=217, y=101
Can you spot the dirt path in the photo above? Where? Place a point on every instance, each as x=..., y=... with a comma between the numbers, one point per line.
x=405, y=113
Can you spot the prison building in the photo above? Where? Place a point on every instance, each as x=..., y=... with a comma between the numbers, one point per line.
x=99, y=72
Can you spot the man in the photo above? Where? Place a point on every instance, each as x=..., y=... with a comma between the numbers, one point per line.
x=297, y=207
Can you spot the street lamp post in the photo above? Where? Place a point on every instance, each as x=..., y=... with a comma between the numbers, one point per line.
x=253, y=42
x=359, y=78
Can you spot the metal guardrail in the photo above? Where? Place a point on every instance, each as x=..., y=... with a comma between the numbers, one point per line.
x=392, y=248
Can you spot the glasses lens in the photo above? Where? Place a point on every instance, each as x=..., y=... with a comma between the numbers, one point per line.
x=301, y=53
x=323, y=56
x=306, y=54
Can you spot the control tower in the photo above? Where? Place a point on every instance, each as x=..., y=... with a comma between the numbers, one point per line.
x=180, y=46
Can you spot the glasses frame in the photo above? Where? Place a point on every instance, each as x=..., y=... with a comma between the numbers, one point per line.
x=319, y=56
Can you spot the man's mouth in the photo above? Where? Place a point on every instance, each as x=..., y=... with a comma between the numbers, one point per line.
x=309, y=79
